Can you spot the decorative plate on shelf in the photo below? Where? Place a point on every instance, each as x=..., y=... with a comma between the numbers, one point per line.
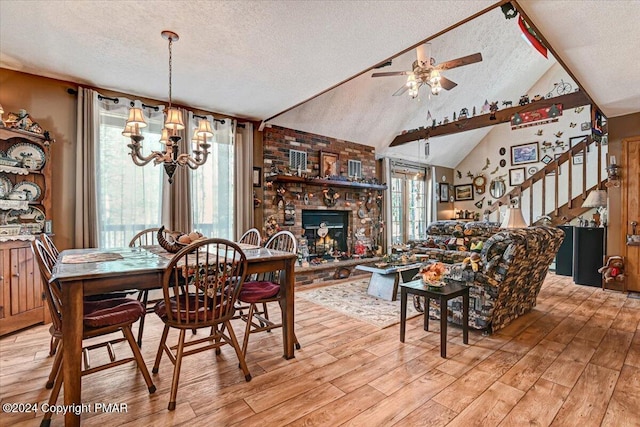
x=29, y=155
x=7, y=161
x=32, y=218
x=5, y=187
x=32, y=189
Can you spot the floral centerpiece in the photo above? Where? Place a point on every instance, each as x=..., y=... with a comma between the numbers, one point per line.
x=432, y=274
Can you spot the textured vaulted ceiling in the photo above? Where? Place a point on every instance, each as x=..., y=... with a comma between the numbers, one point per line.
x=255, y=59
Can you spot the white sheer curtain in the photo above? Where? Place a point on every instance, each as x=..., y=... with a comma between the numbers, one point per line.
x=129, y=197
x=213, y=184
x=244, y=179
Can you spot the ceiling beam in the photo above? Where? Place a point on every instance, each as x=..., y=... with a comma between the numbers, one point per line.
x=571, y=100
x=373, y=67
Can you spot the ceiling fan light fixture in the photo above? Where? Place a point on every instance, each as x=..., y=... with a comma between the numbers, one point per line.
x=434, y=77
x=411, y=80
x=436, y=88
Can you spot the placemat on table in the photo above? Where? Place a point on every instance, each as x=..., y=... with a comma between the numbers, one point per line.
x=90, y=257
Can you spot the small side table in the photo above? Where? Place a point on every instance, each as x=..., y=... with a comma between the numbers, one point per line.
x=451, y=290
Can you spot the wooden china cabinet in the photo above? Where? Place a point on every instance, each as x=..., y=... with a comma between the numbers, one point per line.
x=25, y=204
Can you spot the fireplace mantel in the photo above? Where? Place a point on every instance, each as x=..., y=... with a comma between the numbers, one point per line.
x=320, y=182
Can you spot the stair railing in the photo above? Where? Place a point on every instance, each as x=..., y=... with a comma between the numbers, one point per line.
x=536, y=203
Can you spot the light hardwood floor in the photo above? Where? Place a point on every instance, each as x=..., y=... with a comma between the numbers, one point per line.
x=573, y=361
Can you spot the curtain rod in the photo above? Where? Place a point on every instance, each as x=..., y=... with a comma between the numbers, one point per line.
x=155, y=108
x=221, y=121
x=102, y=98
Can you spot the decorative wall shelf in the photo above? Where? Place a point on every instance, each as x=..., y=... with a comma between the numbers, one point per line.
x=568, y=101
x=6, y=133
x=289, y=179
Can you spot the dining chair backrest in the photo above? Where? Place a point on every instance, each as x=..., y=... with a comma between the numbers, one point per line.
x=281, y=241
x=49, y=245
x=146, y=237
x=52, y=290
x=204, y=279
x=251, y=237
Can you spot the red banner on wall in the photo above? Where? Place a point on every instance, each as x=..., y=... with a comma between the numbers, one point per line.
x=537, y=117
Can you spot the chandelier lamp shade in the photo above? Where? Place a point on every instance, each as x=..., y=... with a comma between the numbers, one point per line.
x=170, y=157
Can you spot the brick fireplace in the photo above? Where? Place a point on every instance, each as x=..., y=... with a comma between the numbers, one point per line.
x=355, y=206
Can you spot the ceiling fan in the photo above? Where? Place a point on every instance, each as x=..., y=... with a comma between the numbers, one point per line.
x=425, y=71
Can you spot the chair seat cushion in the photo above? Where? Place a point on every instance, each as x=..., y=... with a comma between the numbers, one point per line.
x=110, y=312
x=192, y=308
x=254, y=291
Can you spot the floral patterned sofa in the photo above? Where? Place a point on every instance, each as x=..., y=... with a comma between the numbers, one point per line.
x=451, y=241
x=514, y=263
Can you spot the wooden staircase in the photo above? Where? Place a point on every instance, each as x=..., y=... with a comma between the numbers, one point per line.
x=558, y=189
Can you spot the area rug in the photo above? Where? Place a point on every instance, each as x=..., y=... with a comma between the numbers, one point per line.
x=351, y=298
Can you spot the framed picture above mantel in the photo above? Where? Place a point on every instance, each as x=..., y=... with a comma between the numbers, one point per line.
x=329, y=164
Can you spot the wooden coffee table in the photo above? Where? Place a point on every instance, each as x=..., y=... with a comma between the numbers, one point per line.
x=444, y=294
x=384, y=281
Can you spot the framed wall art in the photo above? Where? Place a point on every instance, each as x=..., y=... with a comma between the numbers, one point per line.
x=575, y=140
x=443, y=191
x=516, y=176
x=463, y=192
x=329, y=164
x=524, y=153
x=578, y=159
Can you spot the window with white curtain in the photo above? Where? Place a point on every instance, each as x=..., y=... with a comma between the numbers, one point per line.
x=128, y=196
x=213, y=184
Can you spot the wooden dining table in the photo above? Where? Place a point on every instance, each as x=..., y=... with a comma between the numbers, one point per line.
x=84, y=272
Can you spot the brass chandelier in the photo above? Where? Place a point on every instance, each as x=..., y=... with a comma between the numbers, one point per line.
x=170, y=158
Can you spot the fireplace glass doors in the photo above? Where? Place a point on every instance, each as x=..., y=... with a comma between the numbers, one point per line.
x=335, y=240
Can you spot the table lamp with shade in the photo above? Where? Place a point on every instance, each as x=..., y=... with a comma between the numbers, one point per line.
x=597, y=199
x=513, y=218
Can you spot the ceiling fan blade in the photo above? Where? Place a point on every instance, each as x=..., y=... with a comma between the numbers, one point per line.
x=446, y=83
x=402, y=90
x=384, y=64
x=392, y=73
x=459, y=62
